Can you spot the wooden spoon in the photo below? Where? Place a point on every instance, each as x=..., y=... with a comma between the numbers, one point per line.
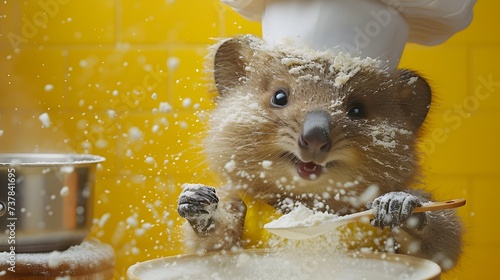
x=305, y=232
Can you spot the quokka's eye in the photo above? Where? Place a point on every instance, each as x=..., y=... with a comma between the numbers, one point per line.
x=280, y=98
x=357, y=110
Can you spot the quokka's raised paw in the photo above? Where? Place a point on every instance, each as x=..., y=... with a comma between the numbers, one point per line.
x=197, y=203
x=396, y=209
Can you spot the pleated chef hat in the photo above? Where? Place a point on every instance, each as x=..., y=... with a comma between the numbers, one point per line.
x=368, y=28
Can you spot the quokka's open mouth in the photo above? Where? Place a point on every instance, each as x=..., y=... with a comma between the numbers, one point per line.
x=308, y=170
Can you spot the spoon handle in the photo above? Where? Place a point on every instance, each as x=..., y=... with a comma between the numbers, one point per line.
x=430, y=206
x=434, y=206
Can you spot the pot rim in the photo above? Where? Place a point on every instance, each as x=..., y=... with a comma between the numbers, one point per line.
x=47, y=160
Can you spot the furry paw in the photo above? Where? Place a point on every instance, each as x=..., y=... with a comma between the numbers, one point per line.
x=197, y=204
x=396, y=209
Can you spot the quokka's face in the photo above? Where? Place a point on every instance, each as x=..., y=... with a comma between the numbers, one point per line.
x=301, y=123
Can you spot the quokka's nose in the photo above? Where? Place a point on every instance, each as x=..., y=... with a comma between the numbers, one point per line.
x=315, y=138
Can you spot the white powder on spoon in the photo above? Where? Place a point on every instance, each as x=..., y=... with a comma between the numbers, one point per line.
x=301, y=216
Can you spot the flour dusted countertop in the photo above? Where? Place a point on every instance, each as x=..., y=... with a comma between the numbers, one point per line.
x=89, y=260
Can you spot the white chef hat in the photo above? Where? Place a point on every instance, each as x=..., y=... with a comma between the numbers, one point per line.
x=369, y=28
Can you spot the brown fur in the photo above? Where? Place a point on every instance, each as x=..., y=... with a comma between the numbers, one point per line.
x=378, y=149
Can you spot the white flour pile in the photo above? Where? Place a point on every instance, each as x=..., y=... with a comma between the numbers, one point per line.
x=302, y=216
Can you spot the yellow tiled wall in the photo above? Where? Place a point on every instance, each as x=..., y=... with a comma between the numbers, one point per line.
x=103, y=70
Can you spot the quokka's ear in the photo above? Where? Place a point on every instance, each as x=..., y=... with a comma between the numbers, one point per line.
x=415, y=96
x=231, y=58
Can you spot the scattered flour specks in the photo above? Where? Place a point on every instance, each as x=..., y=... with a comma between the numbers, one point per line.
x=254, y=113
x=101, y=143
x=230, y=166
x=45, y=119
x=173, y=63
x=165, y=107
x=266, y=164
x=54, y=259
x=384, y=135
x=102, y=221
x=111, y=114
x=134, y=134
x=48, y=87
x=412, y=80
x=64, y=191
x=150, y=160
x=67, y=169
x=132, y=221
x=186, y=102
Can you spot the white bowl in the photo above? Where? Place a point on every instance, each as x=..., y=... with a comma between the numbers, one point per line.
x=257, y=264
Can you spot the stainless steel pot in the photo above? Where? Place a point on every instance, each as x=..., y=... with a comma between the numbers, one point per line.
x=46, y=200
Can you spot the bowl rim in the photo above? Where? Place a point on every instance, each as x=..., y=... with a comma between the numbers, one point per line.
x=433, y=270
x=48, y=159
